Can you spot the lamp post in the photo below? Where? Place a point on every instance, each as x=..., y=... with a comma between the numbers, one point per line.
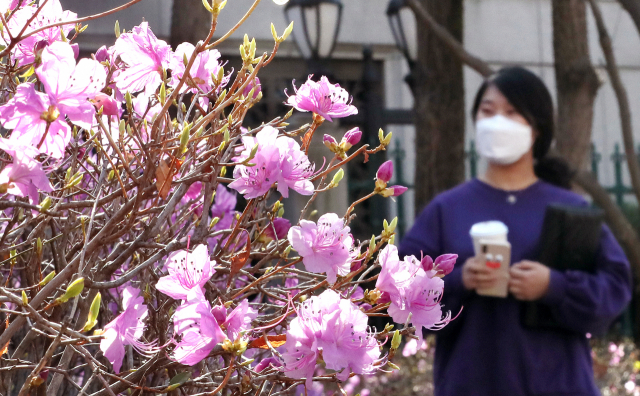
x=402, y=21
x=316, y=29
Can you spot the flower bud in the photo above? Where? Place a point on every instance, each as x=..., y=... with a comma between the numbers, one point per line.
x=444, y=264
x=385, y=172
x=254, y=86
x=73, y=290
x=427, y=263
x=351, y=138
x=393, y=191
x=337, y=178
x=25, y=300
x=330, y=142
x=46, y=203
x=102, y=54
x=92, y=318
x=47, y=278
x=396, y=340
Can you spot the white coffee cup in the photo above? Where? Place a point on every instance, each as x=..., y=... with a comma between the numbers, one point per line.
x=488, y=231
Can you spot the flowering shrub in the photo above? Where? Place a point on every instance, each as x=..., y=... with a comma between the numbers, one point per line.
x=126, y=262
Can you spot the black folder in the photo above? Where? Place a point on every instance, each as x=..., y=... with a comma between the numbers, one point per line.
x=569, y=240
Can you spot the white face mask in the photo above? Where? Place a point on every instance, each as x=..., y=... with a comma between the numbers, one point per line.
x=502, y=140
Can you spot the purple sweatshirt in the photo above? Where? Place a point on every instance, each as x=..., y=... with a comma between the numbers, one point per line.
x=486, y=350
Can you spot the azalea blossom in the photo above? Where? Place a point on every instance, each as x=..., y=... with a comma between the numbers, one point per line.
x=411, y=290
x=238, y=320
x=187, y=271
x=223, y=207
x=24, y=176
x=254, y=181
x=278, y=159
x=295, y=168
x=322, y=98
x=205, y=65
x=38, y=119
x=278, y=228
x=325, y=247
x=335, y=329
x=126, y=329
x=197, y=329
x=145, y=58
x=28, y=49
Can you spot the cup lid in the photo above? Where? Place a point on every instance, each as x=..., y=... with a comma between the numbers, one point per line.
x=488, y=228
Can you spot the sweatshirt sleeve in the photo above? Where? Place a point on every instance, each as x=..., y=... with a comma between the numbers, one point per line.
x=425, y=238
x=588, y=303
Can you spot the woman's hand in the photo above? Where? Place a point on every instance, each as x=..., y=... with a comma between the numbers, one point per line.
x=476, y=275
x=529, y=280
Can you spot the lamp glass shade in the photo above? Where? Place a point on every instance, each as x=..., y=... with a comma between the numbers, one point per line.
x=316, y=27
x=403, y=26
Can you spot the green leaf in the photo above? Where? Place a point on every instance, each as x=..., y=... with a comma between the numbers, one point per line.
x=178, y=380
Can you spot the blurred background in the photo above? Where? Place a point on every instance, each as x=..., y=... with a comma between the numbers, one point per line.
x=406, y=62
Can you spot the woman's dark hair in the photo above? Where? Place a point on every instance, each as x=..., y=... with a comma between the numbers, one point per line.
x=530, y=97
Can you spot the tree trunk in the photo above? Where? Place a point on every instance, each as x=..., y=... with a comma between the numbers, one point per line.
x=189, y=22
x=633, y=8
x=439, y=105
x=576, y=81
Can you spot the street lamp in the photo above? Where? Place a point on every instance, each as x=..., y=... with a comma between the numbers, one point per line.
x=402, y=21
x=317, y=26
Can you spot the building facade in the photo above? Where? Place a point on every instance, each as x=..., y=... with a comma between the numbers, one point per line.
x=503, y=32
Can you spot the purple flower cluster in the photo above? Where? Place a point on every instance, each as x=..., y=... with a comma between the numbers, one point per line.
x=412, y=290
x=278, y=159
x=325, y=247
x=331, y=329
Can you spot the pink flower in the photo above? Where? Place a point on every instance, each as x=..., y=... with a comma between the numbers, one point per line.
x=27, y=50
x=254, y=181
x=102, y=54
x=206, y=64
x=330, y=142
x=334, y=327
x=33, y=115
x=255, y=85
x=278, y=229
x=145, y=57
x=268, y=362
x=295, y=168
x=187, y=271
x=109, y=106
x=322, y=98
x=238, y=320
x=197, y=328
x=278, y=159
x=393, y=191
x=351, y=138
x=324, y=247
x=412, y=290
x=385, y=172
x=126, y=329
x=443, y=264
x=24, y=176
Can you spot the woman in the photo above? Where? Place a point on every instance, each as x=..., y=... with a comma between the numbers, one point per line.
x=486, y=350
